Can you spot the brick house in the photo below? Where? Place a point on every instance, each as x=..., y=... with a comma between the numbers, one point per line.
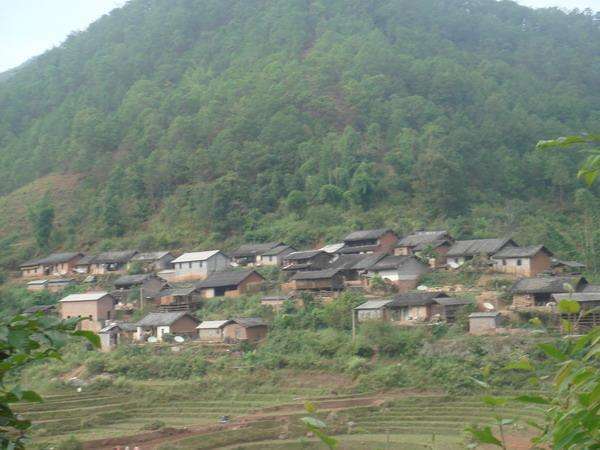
x=55, y=264
x=111, y=262
x=95, y=307
x=484, y=322
x=381, y=240
x=537, y=291
x=159, y=324
x=212, y=330
x=435, y=243
x=306, y=260
x=249, y=254
x=153, y=261
x=523, y=261
x=274, y=256
x=403, y=271
x=232, y=283
x=466, y=250
x=199, y=265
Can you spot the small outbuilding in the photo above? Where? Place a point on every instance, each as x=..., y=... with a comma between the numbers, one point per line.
x=249, y=254
x=116, y=333
x=212, y=330
x=537, y=291
x=251, y=329
x=306, y=260
x=484, y=322
x=153, y=261
x=232, y=283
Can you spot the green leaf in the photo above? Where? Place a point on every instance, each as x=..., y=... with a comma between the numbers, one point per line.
x=484, y=435
x=568, y=307
x=553, y=352
x=32, y=396
x=314, y=422
x=494, y=401
x=92, y=337
x=310, y=407
x=522, y=364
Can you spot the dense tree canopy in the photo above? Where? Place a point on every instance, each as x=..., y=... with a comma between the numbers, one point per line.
x=198, y=121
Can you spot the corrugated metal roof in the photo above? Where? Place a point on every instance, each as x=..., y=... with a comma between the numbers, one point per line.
x=84, y=297
x=484, y=314
x=196, y=256
x=212, y=324
x=53, y=258
x=37, y=282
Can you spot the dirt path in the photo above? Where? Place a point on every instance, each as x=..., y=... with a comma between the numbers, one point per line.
x=153, y=439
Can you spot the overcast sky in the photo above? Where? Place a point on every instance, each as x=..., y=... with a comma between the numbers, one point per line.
x=29, y=27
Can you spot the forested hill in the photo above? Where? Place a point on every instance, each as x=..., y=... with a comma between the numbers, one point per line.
x=207, y=122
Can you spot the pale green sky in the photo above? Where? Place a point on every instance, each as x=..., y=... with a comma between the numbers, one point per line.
x=30, y=27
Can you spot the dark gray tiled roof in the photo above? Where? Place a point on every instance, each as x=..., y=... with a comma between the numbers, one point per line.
x=521, y=252
x=546, y=285
x=277, y=250
x=366, y=234
x=422, y=238
x=227, y=278
x=418, y=298
x=304, y=254
x=316, y=274
x=158, y=319
x=474, y=247
x=249, y=322
x=127, y=280
x=114, y=257
x=254, y=249
x=54, y=258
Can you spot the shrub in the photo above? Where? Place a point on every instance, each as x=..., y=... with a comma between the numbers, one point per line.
x=71, y=443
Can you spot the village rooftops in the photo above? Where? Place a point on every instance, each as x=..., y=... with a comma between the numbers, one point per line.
x=54, y=258
x=176, y=292
x=85, y=297
x=118, y=257
x=365, y=235
x=224, y=279
x=195, y=256
x=160, y=319
x=591, y=288
x=474, y=247
x=85, y=260
x=547, y=285
x=521, y=252
x=422, y=239
x=391, y=262
x=305, y=254
x=124, y=326
x=250, y=250
x=316, y=274
x=150, y=256
x=571, y=264
x=212, y=324
x=39, y=308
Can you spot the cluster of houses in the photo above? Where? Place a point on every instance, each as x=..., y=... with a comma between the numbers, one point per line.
x=174, y=286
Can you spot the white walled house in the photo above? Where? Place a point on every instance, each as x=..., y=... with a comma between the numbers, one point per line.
x=199, y=265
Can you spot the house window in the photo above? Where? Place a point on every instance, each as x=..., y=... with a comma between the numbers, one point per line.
x=519, y=262
x=201, y=263
x=503, y=262
x=189, y=265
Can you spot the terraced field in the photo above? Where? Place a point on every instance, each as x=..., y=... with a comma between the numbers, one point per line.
x=269, y=420
x=414, y=422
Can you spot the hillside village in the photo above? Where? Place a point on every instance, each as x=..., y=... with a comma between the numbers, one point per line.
x=388, y=269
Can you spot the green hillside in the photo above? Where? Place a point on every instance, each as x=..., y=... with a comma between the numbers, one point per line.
x=194, y=123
